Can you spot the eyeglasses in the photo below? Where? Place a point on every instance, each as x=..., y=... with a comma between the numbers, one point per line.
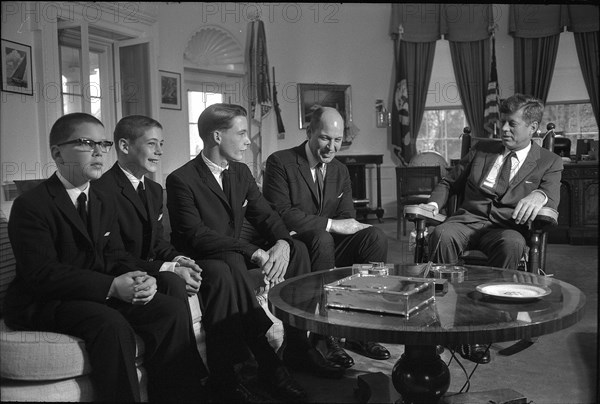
x=90, y=145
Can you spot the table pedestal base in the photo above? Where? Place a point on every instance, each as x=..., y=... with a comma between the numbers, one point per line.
x=420, y=375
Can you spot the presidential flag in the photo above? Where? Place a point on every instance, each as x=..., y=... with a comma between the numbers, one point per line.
x=400, y=109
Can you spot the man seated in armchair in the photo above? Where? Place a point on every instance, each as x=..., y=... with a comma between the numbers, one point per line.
x=505, y=184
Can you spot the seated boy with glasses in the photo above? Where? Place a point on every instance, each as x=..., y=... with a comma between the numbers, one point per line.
x=74, y=277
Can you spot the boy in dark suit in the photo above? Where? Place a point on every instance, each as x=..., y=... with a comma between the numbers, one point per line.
x=206, y=215
x=311, y=190
x=74, y=277
x=138, y=143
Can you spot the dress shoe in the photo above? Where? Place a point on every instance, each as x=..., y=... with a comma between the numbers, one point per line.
x=369, y=349
x=311, y=361
x=475, y=353
x=282, y=384
x=233, y=393
x=333, y=350
x=439, y=349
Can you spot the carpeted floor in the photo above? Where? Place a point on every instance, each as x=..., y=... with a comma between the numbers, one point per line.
x=558, y=368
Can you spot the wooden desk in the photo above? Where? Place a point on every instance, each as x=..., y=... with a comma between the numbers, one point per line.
x=578, y=208
x=460, y=316
x=357, y=167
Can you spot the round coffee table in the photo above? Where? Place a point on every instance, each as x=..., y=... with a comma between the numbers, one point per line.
x=462, y=315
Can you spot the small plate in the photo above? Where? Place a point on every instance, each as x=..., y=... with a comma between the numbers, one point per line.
x=513, y=291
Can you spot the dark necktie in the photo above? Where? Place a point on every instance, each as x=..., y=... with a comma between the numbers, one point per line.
x=147, y=225
x=504, y=175
x=142, y=194
x=319, y=173
x=226, y=185
x=82, y=209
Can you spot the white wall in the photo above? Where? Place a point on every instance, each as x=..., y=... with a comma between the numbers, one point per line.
x=19, y=134
x=306, y=42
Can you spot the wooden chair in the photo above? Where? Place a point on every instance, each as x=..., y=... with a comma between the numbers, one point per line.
x=413, y=186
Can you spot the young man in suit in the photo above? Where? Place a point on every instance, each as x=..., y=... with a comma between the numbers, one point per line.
x=505, y=184
x=208, y=199
x=74, y=277
x=312, y=192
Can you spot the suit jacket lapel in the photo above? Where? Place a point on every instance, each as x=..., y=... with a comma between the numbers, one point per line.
x=65, y=205
x=207, y=177
x=304, y=169
x=128, y=191
x=527, y=167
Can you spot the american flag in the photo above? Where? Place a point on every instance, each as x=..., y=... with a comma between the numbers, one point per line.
x=491, y=114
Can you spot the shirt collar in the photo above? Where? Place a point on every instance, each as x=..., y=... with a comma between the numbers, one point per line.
x=312, y=161
x=132, y=178
x=521, y=154
x=72, y=190
x=214, y=168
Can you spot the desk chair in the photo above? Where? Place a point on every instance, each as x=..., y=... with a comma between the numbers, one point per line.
x=413, y=186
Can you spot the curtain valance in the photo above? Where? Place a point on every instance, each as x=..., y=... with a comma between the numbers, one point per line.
x=426, y=22
x=538, y=20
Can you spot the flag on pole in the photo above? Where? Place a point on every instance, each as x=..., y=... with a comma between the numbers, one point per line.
x=400, y=109
x=264, y=125
x=491, y=115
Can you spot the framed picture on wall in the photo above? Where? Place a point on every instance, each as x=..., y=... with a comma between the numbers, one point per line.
x=170, y=90
x=337, y=96
x=17, y=75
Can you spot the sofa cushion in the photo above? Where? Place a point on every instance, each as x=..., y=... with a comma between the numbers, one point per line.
x=64, y=356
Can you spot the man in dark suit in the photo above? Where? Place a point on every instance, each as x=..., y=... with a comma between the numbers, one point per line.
x=505, y=184
x=74, y=277
x=208, y=199
x=312, y=192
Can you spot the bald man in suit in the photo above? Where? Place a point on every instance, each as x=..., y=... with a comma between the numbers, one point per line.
x=312, y=192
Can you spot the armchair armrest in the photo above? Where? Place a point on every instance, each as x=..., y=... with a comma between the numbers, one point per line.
x=546, y=217
x=423, y=211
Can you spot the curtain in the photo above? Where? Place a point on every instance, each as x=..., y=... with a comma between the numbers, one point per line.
x=470, y=61
x=534, y=65
x=536, y=30
x=583, y=22
x=418, y=59
x=587, y=52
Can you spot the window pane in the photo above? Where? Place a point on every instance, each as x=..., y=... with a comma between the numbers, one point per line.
x=70, y=66
x=441, y=131
x=95, y=89
x=197, y=102
x=72, y=103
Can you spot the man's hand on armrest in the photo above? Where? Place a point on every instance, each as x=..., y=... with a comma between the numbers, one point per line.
x=528, y=207
x=347, y=226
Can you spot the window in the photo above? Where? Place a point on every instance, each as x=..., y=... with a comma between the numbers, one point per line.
x=197, y=102
x=84, y=92
x=441, y=130
x=574, y=120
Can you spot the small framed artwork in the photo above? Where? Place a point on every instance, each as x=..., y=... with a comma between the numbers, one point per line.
x=338, y=96
x=170, y=90
x=17, y=75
